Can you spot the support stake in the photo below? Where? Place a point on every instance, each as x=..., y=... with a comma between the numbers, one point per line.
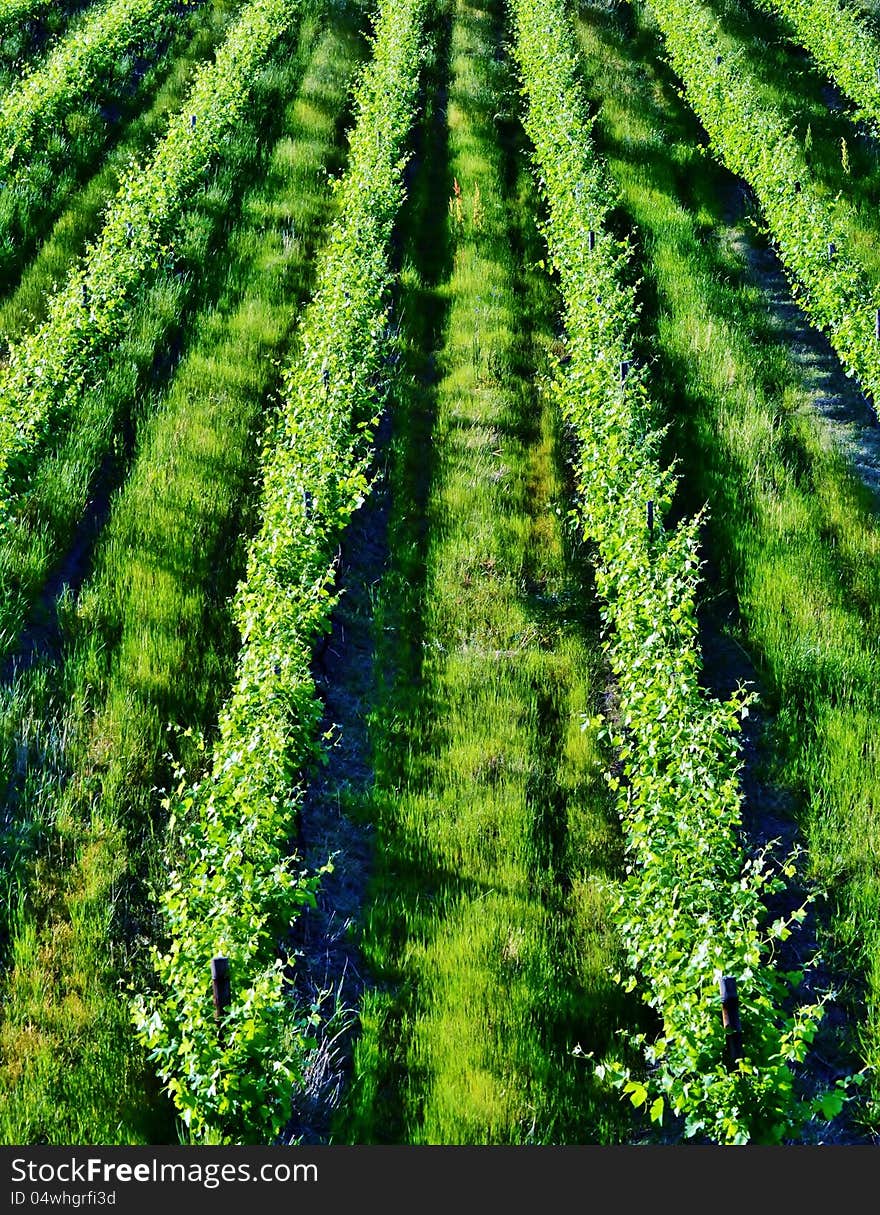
x=221, y=988
x=730, y=1019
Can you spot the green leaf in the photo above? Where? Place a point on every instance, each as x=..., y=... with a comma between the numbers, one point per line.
x=830, y=1105
x=638, y=1094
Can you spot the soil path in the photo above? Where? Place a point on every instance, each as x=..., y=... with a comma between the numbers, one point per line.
x=769, y=811
x=848, y=418
x=329, y=969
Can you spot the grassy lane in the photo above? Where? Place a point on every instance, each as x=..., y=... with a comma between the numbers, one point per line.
x=60, y=120
x=149, y=640
x=26, y=306
x=836, y=153
x=790, y=532
x=843, y=45
x=28, y=29
x=62, y=501
x=24, y=19
x=487, y=932
x=813, y=230
x=236, y=881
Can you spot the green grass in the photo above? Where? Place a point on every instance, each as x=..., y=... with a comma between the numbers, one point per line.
x=24, y=41
x=63, y=164
x=487, y=933
x=85, y=458
x=835, y=153
x=25, y=307
x=791, y=532
x=149, y=640
x=486, y=929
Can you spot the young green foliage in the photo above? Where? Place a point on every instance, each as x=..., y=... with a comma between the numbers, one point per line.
x=691, y=909
x=754, y=140
x=844, y=42
x=236, y=885
x=48, y=370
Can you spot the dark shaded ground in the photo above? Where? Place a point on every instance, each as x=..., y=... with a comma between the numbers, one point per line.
x=850, y=422
x=329, y=968
x=769, y=811
x=768, y=823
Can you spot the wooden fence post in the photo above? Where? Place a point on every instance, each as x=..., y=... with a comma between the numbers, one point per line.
x=730, y=1019
x=221, y=986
